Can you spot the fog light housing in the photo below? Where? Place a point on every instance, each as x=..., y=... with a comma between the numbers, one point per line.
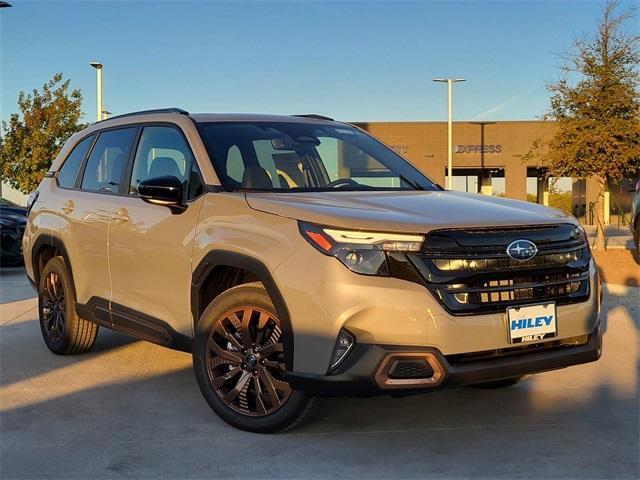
x=344, y=344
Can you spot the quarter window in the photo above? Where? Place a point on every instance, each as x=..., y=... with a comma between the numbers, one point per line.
x=69, y=172
x=107, y=160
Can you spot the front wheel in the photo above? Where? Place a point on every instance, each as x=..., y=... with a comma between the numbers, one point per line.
x=239, y=363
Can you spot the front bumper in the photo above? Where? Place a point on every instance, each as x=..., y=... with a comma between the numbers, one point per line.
x=360, y=374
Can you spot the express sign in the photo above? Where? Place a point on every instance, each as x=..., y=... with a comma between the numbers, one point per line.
x=477, y=149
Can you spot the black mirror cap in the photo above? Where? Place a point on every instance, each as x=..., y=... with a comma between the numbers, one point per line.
x=166, y=190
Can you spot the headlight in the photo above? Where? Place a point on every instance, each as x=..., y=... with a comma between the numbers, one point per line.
x=361, y=252
x=579, y=233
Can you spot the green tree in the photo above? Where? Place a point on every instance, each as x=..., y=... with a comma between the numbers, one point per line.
x=32, y=138
x=596, y=107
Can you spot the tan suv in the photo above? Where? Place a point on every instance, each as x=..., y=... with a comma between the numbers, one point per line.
x=297, y=257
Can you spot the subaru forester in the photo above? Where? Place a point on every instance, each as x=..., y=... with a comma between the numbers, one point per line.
x=296, y=258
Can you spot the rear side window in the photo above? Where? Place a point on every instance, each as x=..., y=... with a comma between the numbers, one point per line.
x=69, y=172
x=107, y=160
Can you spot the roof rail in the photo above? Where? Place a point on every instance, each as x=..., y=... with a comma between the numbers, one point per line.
x=145, y=112
x=316, y=116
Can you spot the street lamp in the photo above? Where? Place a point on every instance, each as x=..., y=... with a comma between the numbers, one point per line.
x=98, y=67
x=449, y=82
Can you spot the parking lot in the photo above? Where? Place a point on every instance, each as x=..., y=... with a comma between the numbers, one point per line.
x=130, y=409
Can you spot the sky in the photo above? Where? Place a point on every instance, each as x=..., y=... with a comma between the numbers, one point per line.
x=350, y=60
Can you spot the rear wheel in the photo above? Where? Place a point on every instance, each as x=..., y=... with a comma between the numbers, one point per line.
x=239, y=363
x=64, y=332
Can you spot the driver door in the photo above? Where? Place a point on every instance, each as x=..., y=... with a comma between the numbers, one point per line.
x=149, y=246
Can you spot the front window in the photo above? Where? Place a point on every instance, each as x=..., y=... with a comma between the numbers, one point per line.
x=283, y=157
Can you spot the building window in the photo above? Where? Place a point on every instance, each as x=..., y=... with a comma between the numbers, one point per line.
x=535, y=184
x=561, y=193
x=488, y=181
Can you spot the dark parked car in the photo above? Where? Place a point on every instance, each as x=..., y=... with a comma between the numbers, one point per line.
x=13, y=219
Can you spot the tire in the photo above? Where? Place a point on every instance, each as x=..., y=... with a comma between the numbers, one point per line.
x=506, y=382
x=247, y=387
x=64, y=332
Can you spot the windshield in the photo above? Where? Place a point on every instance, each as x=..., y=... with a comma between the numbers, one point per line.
x=288, y=157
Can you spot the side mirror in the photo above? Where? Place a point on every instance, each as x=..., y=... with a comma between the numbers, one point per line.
x=166, y=190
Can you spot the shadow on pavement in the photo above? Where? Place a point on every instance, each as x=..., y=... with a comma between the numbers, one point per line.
x=15, y=286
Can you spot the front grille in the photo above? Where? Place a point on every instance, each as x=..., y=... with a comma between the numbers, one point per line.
x=469, y=270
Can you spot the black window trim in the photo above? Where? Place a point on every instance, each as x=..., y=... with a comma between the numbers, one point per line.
x=128, y=171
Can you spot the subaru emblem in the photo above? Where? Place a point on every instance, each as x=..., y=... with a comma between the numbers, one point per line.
x=522, y=250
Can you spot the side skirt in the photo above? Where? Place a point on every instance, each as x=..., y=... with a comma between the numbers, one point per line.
x=133, y=323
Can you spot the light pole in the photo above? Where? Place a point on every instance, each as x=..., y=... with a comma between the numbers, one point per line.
x=449, y=82
x=98, y=67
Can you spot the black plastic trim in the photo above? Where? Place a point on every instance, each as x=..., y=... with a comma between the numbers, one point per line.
x=217, y=258
x=133, y=323
x=356, y=377
x=46, y=240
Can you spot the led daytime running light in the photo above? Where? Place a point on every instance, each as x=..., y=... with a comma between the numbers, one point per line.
x=387, y=241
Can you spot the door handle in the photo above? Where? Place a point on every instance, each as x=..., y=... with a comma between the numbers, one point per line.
x=68, y=206
x=120, y=216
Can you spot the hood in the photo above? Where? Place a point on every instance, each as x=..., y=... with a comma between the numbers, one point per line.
x=400, y=211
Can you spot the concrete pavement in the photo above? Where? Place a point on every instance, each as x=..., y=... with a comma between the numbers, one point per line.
x=130, y=409
x=617, y=237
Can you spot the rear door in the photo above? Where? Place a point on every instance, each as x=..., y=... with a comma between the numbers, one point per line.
x=150, y=247
x=86, y=195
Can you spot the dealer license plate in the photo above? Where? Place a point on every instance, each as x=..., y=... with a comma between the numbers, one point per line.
x=530, y=323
